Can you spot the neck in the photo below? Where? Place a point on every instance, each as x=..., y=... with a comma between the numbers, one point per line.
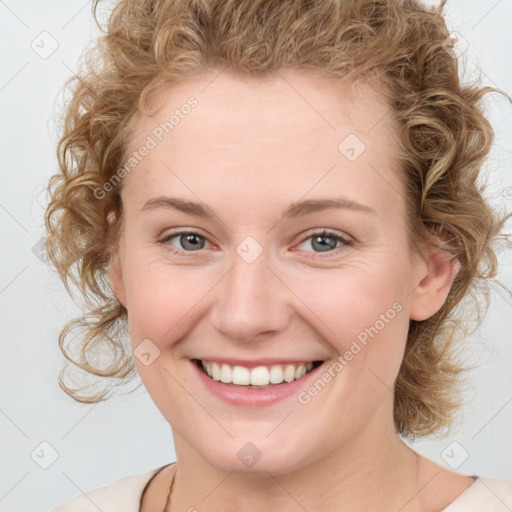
x=374, y=471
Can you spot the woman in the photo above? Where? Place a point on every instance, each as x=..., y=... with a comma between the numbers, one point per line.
x=280, y=200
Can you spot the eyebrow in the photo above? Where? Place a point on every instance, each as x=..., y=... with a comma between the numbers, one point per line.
x=296, y=209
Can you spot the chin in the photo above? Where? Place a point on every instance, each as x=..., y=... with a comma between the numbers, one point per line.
x=261, y=457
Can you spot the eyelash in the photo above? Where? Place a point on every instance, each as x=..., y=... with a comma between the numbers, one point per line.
x=347, y=242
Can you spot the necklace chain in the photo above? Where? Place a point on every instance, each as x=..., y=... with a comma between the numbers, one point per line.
x=168, y=502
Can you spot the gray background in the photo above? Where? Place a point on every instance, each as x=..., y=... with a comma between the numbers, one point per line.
x=94, y=445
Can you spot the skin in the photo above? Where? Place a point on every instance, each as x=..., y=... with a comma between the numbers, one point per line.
x=248, y=150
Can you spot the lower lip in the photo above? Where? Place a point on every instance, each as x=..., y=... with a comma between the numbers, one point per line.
x=253, y=397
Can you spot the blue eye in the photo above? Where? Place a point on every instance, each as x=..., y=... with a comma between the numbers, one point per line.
x=189, y=241
x=326, y=241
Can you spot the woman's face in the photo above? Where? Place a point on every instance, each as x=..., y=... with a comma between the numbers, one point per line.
x=256, y=169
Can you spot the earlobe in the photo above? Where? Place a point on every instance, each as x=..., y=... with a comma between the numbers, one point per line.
x=433, y=285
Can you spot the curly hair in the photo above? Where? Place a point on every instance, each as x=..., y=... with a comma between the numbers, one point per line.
x=443, y=134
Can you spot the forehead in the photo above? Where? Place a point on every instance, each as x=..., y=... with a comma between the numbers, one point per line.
x=217, y=129
x=260, y=104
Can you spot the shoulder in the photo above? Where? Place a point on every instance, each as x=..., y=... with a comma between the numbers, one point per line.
x=484, y=495
x=123, y=495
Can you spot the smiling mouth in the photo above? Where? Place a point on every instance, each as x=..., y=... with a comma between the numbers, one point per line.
x=257, y=377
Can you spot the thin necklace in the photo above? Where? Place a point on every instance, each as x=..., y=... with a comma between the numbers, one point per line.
x=168, y=502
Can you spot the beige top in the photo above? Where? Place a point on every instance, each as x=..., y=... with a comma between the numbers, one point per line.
x=484, y=495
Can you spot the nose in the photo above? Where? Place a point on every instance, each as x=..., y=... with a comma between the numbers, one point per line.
x=250, y=301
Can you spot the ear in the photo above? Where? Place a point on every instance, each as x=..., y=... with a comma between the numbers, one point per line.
x=116, y=276
x=434, y=273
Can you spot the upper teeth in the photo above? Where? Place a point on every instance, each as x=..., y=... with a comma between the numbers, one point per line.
x=258, y=376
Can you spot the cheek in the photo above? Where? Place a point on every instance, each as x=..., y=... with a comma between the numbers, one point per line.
x=161, y=298
x=361, y=311
x=354, y=297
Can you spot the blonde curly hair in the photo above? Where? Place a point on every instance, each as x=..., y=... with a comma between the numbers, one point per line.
x=443, y=134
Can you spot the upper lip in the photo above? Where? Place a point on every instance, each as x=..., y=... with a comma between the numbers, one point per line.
x=257, y=362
